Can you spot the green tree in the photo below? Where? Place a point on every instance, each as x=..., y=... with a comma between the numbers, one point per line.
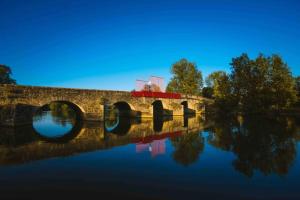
x=297, y=80
x=297, y=87
x=187, y=79
x=5, y=73
x=207, y=92
x=220, y=83
x=283, y=86
x=262, y=84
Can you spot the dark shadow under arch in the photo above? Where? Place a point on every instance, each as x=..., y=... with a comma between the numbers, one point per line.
x=120, y=127
x=79, y=113
x=158, y=109
x=123, y=108
x=187, y=110
x=158, y=122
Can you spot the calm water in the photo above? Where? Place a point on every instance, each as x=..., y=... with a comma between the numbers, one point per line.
x=191, y=158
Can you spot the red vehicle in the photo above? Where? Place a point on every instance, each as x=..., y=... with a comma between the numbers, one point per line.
x=156, y=94
x=153, y=88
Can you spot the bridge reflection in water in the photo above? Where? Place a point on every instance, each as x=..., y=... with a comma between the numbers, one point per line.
x=25, y=144
x=260, y=152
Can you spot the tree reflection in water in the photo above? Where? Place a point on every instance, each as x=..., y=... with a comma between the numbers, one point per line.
x=259, y=143
x=267, y=144
x=187, y=148
x=61, y=113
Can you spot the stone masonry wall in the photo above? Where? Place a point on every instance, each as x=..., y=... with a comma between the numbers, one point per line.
x=18, y=103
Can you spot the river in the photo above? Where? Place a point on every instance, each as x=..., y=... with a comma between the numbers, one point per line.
x=254, y=157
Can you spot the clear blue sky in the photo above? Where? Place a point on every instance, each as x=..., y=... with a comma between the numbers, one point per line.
x=109, y=44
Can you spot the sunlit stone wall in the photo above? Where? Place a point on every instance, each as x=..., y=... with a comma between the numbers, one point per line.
x=18, y=103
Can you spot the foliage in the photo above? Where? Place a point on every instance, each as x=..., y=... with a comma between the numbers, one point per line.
x=262, y=84
x=222, y=91
x=297, y=85
x=187, y=79
x=254, y=85
x=207, y=92
x=297, y=80
x=220, y=83
x=5, y=75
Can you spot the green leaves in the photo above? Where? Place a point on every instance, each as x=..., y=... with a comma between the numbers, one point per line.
x=254, y=85
x=262, y=84
x=5, y=73
x=187, y=79
x=220, y=83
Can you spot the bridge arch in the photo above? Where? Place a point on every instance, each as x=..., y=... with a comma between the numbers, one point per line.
x=62, y=137
x=124, y=108
x=75, y=107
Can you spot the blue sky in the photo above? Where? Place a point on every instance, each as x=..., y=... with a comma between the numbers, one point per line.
x=108, y=44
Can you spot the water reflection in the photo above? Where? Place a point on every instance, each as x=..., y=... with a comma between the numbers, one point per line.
x=54, y=120
x=263, y=143
x=117, y=123
x=158, y=122
x=155, y=147
x=187, y=148
x=84, y=137
x=233, y=158
x=259, y=143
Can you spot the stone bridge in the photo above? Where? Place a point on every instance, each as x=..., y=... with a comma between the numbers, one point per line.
x=19, y=103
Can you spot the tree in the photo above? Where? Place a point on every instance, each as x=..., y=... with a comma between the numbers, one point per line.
x=297, y=80
x=264, y=83
x=220, y=83
x=207, y=92
x=187, y=79
x=5, y=73
x=297, y=87
x=283, y=86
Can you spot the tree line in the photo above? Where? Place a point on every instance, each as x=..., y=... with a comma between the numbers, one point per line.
x=252, y=85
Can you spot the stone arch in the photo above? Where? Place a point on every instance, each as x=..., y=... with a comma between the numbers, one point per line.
x=124, y=108
x=76, y=129
x=78, y=109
